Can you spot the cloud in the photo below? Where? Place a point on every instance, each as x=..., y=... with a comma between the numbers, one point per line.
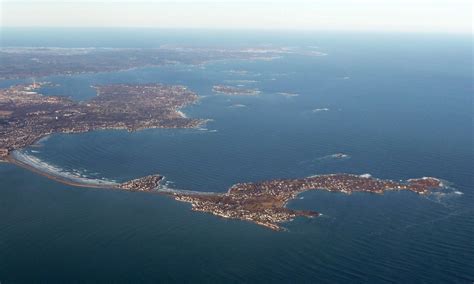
x=377, y=15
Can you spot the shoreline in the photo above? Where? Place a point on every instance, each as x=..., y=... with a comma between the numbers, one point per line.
x=63, y=180
x=163, y=189
x=262, y=203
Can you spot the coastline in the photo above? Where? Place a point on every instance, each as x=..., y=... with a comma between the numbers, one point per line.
x=93, y=183
x=262, y=203
x=11, y=159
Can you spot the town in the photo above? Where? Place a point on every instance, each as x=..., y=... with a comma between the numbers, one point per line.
x=26, y=116
x=264, y=203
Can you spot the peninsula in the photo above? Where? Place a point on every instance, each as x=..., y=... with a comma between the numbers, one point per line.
x=264, y=203
x=26, y=116
x=26, y=62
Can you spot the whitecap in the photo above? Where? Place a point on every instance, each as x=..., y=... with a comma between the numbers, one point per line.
x=288, y=95
x=74, y=175
x=320, y=109
x=238, y=106
x=336, y=156
x=182, y=114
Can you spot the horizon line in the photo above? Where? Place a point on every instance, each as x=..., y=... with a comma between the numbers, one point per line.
x=254, y=29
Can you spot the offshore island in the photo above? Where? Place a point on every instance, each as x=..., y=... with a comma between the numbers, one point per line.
x=26, y=116
x=234, y=91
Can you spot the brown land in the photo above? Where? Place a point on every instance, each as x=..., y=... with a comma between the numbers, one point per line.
x=30, y=62
x=264, y=203
x=28, y=116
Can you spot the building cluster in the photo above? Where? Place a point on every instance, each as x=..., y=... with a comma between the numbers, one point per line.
x=27, y=116
x=147, y=183
x=264, y=203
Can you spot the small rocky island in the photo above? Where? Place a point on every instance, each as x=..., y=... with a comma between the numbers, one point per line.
x=264, y=203
x=234, y=91
x=26, y=116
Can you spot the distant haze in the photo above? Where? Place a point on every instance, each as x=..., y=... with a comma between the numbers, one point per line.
x=452, y=16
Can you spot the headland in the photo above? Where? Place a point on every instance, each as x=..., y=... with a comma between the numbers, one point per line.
x=264, y=203
x=27, y=116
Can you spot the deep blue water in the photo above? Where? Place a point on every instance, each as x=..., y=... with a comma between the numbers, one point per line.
x=399, y=105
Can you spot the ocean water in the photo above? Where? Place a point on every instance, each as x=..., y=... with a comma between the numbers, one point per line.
x=399, y=106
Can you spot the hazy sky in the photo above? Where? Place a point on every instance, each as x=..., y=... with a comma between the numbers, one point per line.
x=379, y=15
